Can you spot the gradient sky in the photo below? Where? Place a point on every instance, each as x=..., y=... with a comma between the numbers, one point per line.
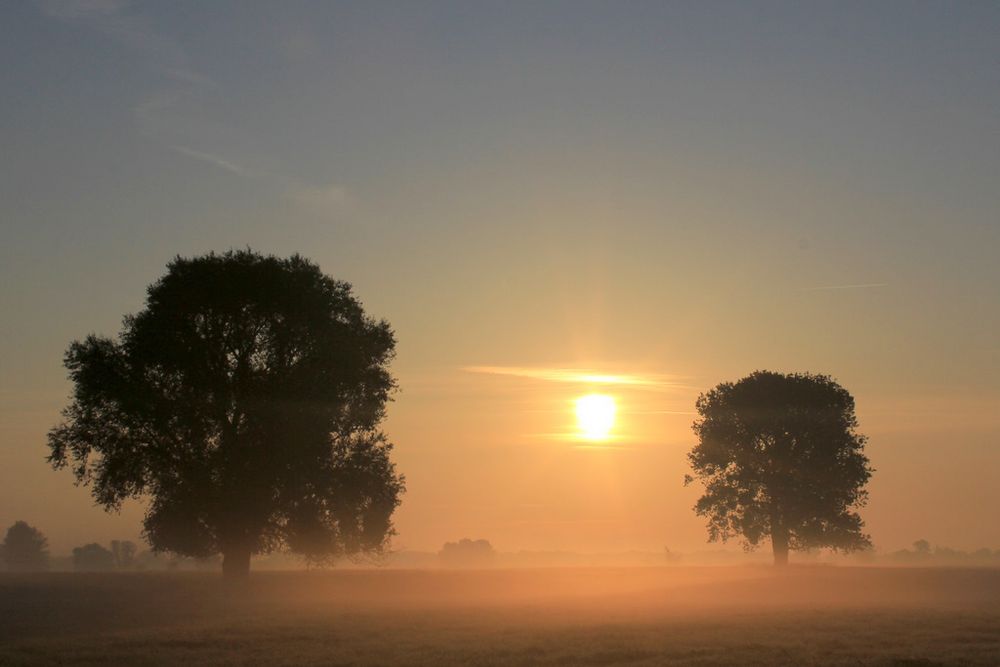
x=679, y=192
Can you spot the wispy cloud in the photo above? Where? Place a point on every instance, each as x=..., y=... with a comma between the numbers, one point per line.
x=651, y=381
x=119, y=20
x=175, y=112
x=160, y=114
x=839, y=287
x=219, y=162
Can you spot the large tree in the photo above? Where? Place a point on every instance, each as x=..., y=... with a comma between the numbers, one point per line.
x=779, y=457
x=24, y=548
x=243, y=402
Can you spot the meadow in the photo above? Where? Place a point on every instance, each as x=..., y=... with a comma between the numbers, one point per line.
x=686, y=615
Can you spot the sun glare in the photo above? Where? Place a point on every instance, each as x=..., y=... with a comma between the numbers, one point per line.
x=595, y=415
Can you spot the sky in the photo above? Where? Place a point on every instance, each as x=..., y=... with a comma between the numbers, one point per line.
x=533, y=194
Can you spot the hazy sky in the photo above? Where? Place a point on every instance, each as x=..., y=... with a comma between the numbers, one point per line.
x=679, y=192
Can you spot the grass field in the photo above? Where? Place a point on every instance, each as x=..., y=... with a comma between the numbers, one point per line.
x=560, y=616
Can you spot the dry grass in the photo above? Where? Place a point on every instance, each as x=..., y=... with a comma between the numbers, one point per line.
x=570, y=616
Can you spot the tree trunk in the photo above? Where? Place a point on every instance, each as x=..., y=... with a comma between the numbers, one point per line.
x=779, y=542
x=236, y=562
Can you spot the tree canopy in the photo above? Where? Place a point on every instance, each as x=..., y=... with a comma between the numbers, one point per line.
x=124, y=552
x=243, y=402
x=779, y=457
x=467, y=552
x=25, y=549
x=93, y=558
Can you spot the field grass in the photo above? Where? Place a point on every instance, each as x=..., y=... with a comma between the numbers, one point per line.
x=558, y=616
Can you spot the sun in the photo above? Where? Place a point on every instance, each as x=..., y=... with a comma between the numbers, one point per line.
x=595, y=415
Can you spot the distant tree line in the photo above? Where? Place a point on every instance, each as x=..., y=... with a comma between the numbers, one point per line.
x=923, y=553
x=95, y=558
x=25, y=549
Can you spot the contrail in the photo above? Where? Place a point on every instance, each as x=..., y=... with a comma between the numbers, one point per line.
x=211, y=159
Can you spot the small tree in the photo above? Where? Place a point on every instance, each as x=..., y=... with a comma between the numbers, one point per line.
x=243, y=402
x=124, y=554
x=467, y=553
x=779, y=458
x=93, y=558
x=25, y=549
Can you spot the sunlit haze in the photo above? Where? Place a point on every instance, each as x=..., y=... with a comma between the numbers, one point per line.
x=575, y=216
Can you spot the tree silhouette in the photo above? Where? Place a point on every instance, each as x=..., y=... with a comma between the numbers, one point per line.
x=467, y=553
x=25, y=549
x=93, y=558
x=244, y=403
x=779, y=458
x=124, y=554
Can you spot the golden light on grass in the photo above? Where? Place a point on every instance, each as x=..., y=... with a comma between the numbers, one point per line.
x=595, y=416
